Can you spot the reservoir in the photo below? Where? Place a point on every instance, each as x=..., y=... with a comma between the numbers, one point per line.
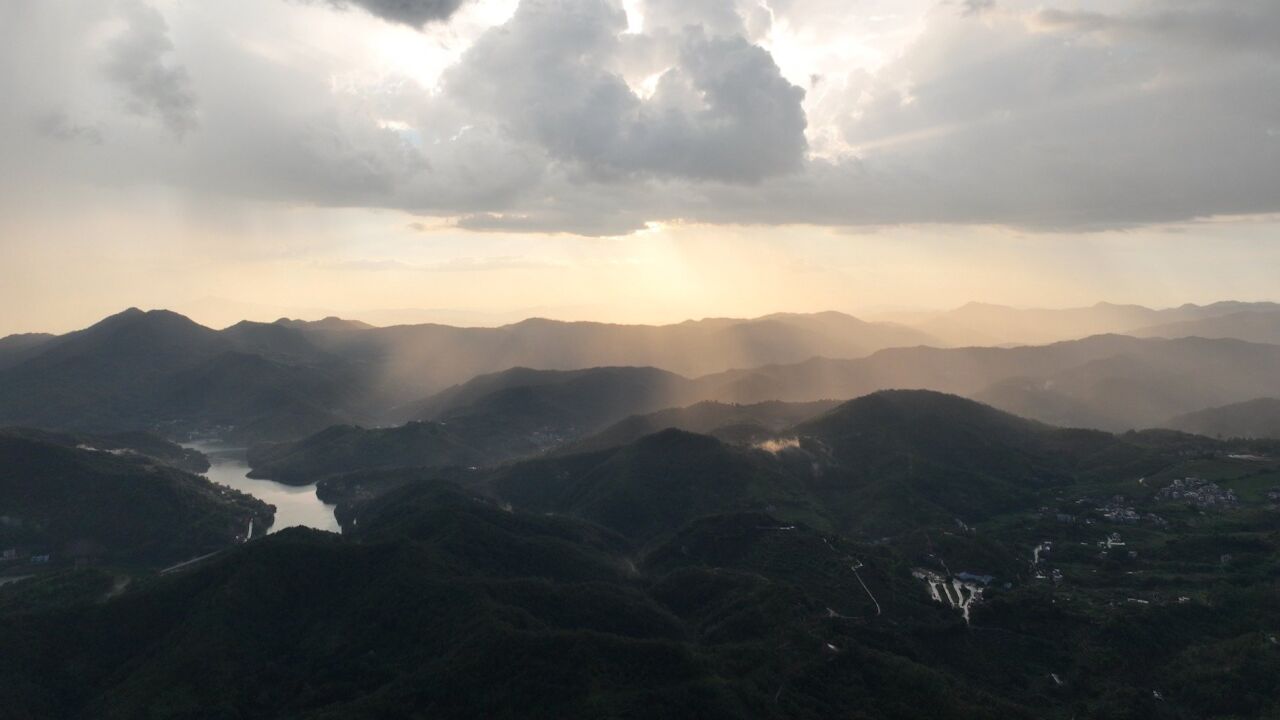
x=295, y=504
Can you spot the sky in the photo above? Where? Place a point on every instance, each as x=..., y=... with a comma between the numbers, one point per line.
x=479, y=161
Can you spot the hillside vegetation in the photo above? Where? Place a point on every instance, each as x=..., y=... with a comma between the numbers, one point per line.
x=71, y=503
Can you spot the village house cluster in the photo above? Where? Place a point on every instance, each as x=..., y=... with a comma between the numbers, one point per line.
x=1200, y=493
x=1118, y=510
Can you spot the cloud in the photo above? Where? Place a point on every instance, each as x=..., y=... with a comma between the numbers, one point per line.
x=58, y=126
x=976, y=7
x=1242, y=25
x=778, y=446
x=556, y=220
x=563, y=118
x=997, y=121
x=414, y=13
x=1010, y=116
x=153, y=85
x=461, y=264
x=717, y=17
x=554, y=76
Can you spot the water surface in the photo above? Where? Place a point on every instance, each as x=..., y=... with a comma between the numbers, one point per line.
x=295, y=504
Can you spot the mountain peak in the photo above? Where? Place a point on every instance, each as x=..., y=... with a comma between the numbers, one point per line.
x=330, y=323
x=135, y=317
x=916, y=409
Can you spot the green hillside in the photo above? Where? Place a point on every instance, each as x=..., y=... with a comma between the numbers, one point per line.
x=345, y=448
x=71, y=504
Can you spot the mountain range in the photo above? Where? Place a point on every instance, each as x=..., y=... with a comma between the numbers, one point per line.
x=908, y=554
x=283, y=381
x=1257, y=326
x=159, y=371
x=1250, y=419
x=978, y=323
x=1108, y=382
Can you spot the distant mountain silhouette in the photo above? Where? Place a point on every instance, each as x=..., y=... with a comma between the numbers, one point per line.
x=1258, y=418
x=488, y=420
x=158, y=370
x=987, y=324
x=275, y=341
x=591, y=393
x=423, y=359
x=1253, y=326
x=1109, y=382
x=280, y=381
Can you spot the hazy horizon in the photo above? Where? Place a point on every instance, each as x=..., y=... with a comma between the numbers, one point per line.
x=219, y=315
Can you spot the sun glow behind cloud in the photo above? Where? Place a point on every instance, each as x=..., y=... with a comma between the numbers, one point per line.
x=424, y=54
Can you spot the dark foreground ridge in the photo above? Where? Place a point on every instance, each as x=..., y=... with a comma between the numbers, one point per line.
x=904, y=555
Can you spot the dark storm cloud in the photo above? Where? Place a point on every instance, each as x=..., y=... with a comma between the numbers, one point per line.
x=154, y=85
x=414, y=13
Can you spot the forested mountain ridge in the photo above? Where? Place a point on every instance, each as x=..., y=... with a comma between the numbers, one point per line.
x=159, y=371
x=253, y=382
x=67, y=502
x=1258, y=418
x=680, y=575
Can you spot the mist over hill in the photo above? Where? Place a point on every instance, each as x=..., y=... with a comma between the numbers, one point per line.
x=979, y=323
x=1110, y=382
x=159, y=370
x=880, y=463
x=1258, y=418
x=724, y=420
x=1259, y=326
x=420, y=359
x=885, y=461
x=255, y=382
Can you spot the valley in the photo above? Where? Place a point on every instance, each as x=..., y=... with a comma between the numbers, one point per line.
x=294, y=505
x=746, y=543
